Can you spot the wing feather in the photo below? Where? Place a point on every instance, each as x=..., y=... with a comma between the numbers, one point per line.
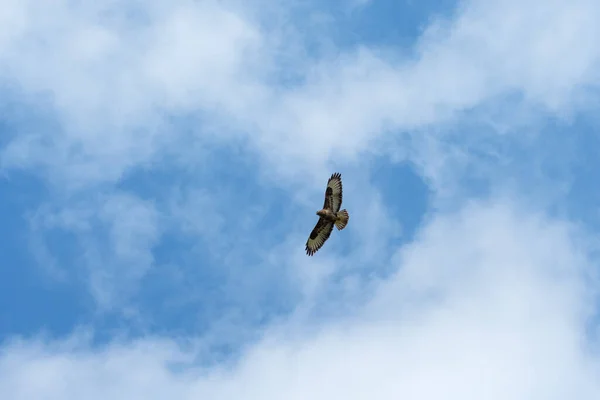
x=318, y=236
x=333, y=192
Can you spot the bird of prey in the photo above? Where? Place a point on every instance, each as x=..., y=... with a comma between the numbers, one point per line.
x=329, y=216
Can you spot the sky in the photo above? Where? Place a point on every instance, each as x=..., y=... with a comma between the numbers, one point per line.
x=161, y=164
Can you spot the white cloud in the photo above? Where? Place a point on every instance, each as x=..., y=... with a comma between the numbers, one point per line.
x=215, y=57
x=111, y=71
x=490, y=302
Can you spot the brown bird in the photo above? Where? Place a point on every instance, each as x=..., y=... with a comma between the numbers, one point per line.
x=328, y=216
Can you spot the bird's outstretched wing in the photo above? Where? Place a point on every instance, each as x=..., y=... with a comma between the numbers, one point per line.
x=333, y=193
x=318, y=236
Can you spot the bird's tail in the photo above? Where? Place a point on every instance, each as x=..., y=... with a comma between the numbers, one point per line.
x=342, y=219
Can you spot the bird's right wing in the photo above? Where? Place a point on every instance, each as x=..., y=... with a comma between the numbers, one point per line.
x=333, y=193
x=318, y=236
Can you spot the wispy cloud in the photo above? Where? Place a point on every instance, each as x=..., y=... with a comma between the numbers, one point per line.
x=114, y=234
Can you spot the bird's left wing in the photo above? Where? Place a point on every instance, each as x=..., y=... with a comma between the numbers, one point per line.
x=318, y=236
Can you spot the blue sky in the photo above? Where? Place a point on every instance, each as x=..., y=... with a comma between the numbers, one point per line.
x=162, y=162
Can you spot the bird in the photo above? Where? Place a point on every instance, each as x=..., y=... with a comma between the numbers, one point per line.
x=329, y=215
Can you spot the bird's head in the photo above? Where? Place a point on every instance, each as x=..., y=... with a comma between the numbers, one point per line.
x=321, y=213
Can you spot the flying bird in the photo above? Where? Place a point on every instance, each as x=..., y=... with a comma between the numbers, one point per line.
x=328, y=216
